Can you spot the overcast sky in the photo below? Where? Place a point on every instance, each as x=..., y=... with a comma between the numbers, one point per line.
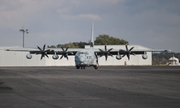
x=151, y=23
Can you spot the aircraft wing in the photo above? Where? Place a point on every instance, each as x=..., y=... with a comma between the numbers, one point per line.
x=34, y=50
x=55, y=52
x=65, y=52
x=58, y=51
x=136, y=52
x=125, y=52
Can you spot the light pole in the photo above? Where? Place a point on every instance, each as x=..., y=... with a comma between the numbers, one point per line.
x=23, y=30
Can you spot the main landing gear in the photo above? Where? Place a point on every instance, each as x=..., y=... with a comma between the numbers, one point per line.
x=80, y=67
x=95, y=67
x=83, y=67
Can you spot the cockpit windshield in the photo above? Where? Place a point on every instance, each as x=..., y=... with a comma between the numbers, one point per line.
x=83, y=53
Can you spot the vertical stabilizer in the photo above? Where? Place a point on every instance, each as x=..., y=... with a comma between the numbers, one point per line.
x=92, y=36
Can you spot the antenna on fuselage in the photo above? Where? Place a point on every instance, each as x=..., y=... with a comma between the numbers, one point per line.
x=92, y=35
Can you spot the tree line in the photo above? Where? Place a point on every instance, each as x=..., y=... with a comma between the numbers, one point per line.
x=100, y=40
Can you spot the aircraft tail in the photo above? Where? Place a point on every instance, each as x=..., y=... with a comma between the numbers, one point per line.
x=92, y=36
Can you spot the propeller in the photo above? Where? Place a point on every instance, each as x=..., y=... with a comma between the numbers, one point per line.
x=96, y=58
x=65, y=52
x=43, y=51
x=127, y=52
x=105, y=52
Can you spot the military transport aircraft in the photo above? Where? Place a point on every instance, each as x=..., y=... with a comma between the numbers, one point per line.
x=85, y=57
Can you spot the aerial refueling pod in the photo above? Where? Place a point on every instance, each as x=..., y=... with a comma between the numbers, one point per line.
x=55, y=57
x=145, y=56
x=118, y=57
x=28, y=56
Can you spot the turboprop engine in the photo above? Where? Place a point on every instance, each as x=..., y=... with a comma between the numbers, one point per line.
x=127, y=52
x=144, y=56
x=105, y=52
x=28, y=56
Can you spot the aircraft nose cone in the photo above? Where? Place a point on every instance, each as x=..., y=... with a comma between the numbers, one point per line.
x=81, y=59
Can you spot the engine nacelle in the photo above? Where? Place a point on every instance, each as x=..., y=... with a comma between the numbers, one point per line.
x=55, y=57
x=28, y=56
x=118, y=57
x=144, y=56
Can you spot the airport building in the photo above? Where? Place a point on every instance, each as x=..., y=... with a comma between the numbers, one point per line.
x=17, y=58
x=173, y=61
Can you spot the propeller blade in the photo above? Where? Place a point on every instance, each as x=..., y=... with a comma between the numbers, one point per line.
x=39, y=48
x=105, y=48
x=131, y=49
x=127, y=48
x=101, y=55
x=62, y=48
x=61, y=57
x=128, y=56
x=111, y=55
x=123, y=55
x=121, y=50
x=96, y=58
x=42, y=56
x=67, y=49
x=109, y=50
x=44, y=47
x=46, y=55
x=106, y=56
x=101, y=50
x=133, y=54
x=67, y=57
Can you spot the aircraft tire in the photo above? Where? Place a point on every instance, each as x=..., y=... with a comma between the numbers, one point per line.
x=77, y=67
x=95, y=67
x=82, y=67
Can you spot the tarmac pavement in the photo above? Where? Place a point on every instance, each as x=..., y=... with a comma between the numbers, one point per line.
x=106, y=87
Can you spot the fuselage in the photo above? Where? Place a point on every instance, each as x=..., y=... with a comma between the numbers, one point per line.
x=85, y=57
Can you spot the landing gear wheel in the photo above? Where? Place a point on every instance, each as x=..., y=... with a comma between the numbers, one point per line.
x=95, y=67
x=82, y=67
x=77, y=67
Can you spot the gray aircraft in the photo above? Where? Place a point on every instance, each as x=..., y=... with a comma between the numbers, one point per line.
x=85, y=57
